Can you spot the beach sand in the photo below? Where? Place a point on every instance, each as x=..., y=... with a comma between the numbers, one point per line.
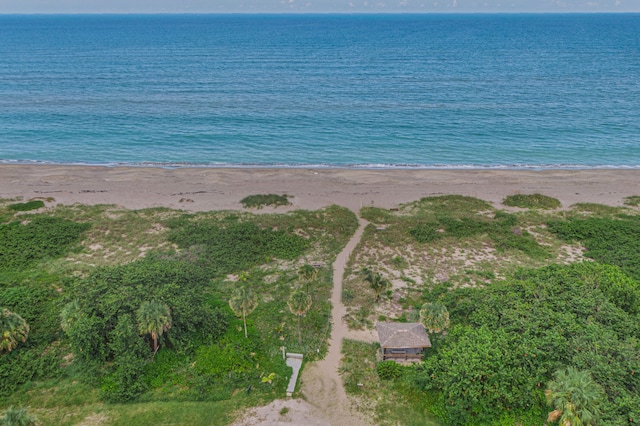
x=202, y=189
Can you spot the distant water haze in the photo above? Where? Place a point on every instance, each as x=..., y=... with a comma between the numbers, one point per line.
x=317, y=6
x=507, y=91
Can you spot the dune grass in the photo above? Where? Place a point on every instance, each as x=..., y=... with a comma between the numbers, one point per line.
x=532, y=201
x=633, y=201
x=259, y=201
x=24, y=207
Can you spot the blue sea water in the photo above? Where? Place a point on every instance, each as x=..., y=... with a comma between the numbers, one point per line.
x=540, y=91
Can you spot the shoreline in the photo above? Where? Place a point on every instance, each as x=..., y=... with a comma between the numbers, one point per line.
x=327, y=166
x=222, y=188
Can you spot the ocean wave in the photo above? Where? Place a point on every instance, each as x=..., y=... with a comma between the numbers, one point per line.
x=367, y=166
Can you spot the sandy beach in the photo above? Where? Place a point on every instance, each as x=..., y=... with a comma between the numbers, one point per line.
x=201, y=189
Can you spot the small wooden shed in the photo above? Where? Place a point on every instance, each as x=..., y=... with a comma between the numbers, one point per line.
x=402, y=341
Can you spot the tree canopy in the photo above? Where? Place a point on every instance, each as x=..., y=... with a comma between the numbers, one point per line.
x=508, y=339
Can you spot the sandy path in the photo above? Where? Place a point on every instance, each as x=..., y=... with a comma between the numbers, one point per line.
x=325, y=400
x=321, y=382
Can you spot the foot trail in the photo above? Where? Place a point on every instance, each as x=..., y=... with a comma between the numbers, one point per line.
x=321, y=382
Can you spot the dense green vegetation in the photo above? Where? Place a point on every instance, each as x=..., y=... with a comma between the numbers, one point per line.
x=221, y=249
x=107, y=322
x=24, y=207
x=111, y=322
x=39, y=239
x=524, y=345
x=510, y=338
x=501, y=229
x=532, y=201
x=612, y=241
x=259, y=201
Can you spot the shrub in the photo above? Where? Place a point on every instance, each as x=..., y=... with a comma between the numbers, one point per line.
x=614, y=241
x=510, y=337
x=29, y=205
x=260, y=200
x=633, y=201
x=13, y=416
x=237, y=247
x=388, y=370
x=532, y=201
x=425, y=232
x=500, y=229
x=22, y=245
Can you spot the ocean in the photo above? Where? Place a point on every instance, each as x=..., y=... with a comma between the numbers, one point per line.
x=362, y=91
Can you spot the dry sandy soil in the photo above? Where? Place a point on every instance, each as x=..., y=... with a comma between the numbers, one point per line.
x=204, y=189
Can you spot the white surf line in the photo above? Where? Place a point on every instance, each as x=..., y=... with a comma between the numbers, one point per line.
x=322, y=383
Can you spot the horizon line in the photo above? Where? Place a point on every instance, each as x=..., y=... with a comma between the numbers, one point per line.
x=611, y=12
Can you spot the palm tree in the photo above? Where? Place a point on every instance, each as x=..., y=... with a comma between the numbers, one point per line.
x=242, y=303
x=575, y=397
x=377, y=281
x=13, y=416
x=69, y=315
x=14, y=330
x=153, y=318
x=299, y=303
x=307, y=273
x=434, y=316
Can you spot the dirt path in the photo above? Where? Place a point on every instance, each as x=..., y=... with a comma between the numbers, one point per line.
x=321, y=382
x=325, y=400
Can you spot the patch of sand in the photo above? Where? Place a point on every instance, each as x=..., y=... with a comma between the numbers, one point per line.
x=220, y=188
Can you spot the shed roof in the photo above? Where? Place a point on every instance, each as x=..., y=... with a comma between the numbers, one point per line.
x=402, y=335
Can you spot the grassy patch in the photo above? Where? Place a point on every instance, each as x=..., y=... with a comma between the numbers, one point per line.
x=614, y=241
x=259, y=201
x=595, y=209
x=29, y=205
x=633, y=201
x=532, y=201
x=42, y=238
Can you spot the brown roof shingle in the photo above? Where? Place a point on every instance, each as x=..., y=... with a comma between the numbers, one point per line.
x=402, y=335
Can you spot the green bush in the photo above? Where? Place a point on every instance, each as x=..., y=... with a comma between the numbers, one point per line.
x=510, y=337
x=29, y=205
x=237, y=247
x=633, y=201
x=42, y=238
x=130, y=356
x=163, y=368
x=614, y=241
x=112, y=291
x=425, y=232
x=260, y=200
x=532, y=201
x=388, y=370
x=236, y=363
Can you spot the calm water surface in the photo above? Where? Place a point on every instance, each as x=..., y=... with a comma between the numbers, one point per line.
x=321, y=90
